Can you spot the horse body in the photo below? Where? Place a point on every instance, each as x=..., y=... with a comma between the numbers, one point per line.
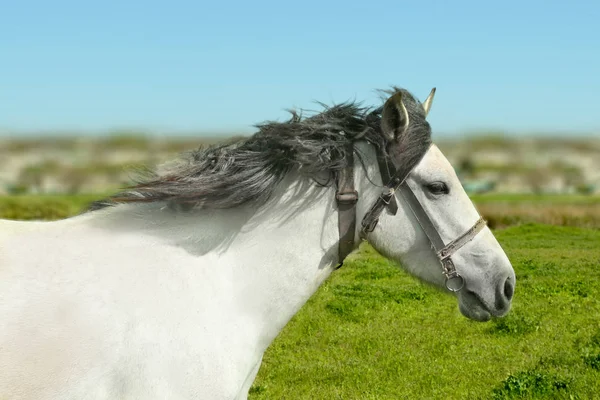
x=143, y=305
x=146, y=301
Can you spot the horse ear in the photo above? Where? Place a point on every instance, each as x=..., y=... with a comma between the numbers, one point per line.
x=394, y=119
x=427, y=103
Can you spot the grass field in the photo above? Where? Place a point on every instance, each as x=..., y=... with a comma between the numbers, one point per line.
x=503, y=210
x=373, y=332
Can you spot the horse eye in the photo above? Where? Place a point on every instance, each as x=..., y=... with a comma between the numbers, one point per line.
x=438, y=188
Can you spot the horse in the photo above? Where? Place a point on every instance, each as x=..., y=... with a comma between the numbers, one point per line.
x=174, y=287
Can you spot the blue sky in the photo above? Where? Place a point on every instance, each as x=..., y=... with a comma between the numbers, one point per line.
x=516, y=66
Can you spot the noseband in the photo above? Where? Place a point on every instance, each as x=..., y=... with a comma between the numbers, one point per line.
x=347, y=198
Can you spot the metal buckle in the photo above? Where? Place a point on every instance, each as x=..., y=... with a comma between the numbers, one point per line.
x=370, y=226
x=387, y=196
x=454, y=281
x=443, y=253
x=350, y=197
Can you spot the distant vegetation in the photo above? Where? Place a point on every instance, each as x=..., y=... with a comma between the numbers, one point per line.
x=43, y=207
x=497, y=164
x=513, y=180
x=503, y=210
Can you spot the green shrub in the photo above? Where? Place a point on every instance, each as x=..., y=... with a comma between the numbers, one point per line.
x=515, y=324
x=592, y=361
x=530, y=384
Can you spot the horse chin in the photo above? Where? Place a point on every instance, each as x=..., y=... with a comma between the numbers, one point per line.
x=472, y=307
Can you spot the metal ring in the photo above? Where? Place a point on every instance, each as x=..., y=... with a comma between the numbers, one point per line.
x=455, y=283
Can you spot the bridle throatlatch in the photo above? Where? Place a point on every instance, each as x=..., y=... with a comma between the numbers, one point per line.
x=347, y=198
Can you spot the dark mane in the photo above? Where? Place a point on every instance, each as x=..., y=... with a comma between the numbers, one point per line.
x=248, y=170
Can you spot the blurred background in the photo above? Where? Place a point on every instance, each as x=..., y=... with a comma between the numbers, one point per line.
x=92, y=91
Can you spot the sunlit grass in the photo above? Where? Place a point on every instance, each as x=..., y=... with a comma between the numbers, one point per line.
x=372, y=332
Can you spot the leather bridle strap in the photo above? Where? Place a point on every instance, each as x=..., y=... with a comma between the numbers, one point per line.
x=346, y=198
x=386, y=199
x=454, y=282
x=465, y=238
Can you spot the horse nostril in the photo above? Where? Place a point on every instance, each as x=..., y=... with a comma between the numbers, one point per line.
x=509, y=289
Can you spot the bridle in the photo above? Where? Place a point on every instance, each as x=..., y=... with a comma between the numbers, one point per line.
x=347, y=197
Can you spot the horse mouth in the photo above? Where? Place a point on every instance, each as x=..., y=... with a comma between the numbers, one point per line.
x=473, y=307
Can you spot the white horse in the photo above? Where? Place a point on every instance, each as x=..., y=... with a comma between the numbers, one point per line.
x=174, y=289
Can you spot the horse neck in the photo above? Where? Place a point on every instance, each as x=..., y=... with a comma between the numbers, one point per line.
x=303, y=249
x=273, y=256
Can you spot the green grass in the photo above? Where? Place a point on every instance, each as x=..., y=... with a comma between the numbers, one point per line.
x=373, y=332
x=44, y=207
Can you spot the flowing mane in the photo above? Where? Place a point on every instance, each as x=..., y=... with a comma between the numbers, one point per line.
x=228, y=175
